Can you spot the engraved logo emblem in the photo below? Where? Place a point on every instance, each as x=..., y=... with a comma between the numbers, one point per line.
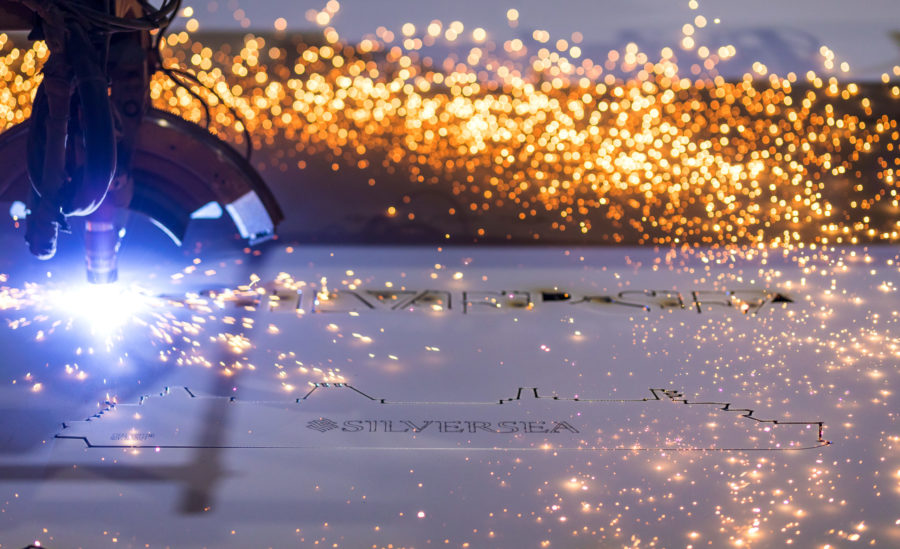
x=321, y=425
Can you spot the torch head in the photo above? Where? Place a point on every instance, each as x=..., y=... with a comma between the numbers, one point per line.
x=101, y=245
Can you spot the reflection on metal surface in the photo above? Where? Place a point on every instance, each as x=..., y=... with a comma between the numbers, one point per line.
x=528, y=421
x=210, y=210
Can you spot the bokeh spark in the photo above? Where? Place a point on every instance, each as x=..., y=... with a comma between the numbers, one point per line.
x=658, y=145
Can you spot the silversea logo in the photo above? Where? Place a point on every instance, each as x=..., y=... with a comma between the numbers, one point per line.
x=324, y=424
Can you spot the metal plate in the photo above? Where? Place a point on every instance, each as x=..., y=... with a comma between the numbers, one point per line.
x=673, y=368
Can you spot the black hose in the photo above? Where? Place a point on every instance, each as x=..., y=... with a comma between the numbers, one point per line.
x=97, y=127
x=172, y=71
x=37, y=137
x=177, y=79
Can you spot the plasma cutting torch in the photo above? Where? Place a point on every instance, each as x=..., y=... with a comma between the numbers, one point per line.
x=85, y=116
x=95, y=148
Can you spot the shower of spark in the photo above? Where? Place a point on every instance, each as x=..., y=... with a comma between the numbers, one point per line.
x=103, y=312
